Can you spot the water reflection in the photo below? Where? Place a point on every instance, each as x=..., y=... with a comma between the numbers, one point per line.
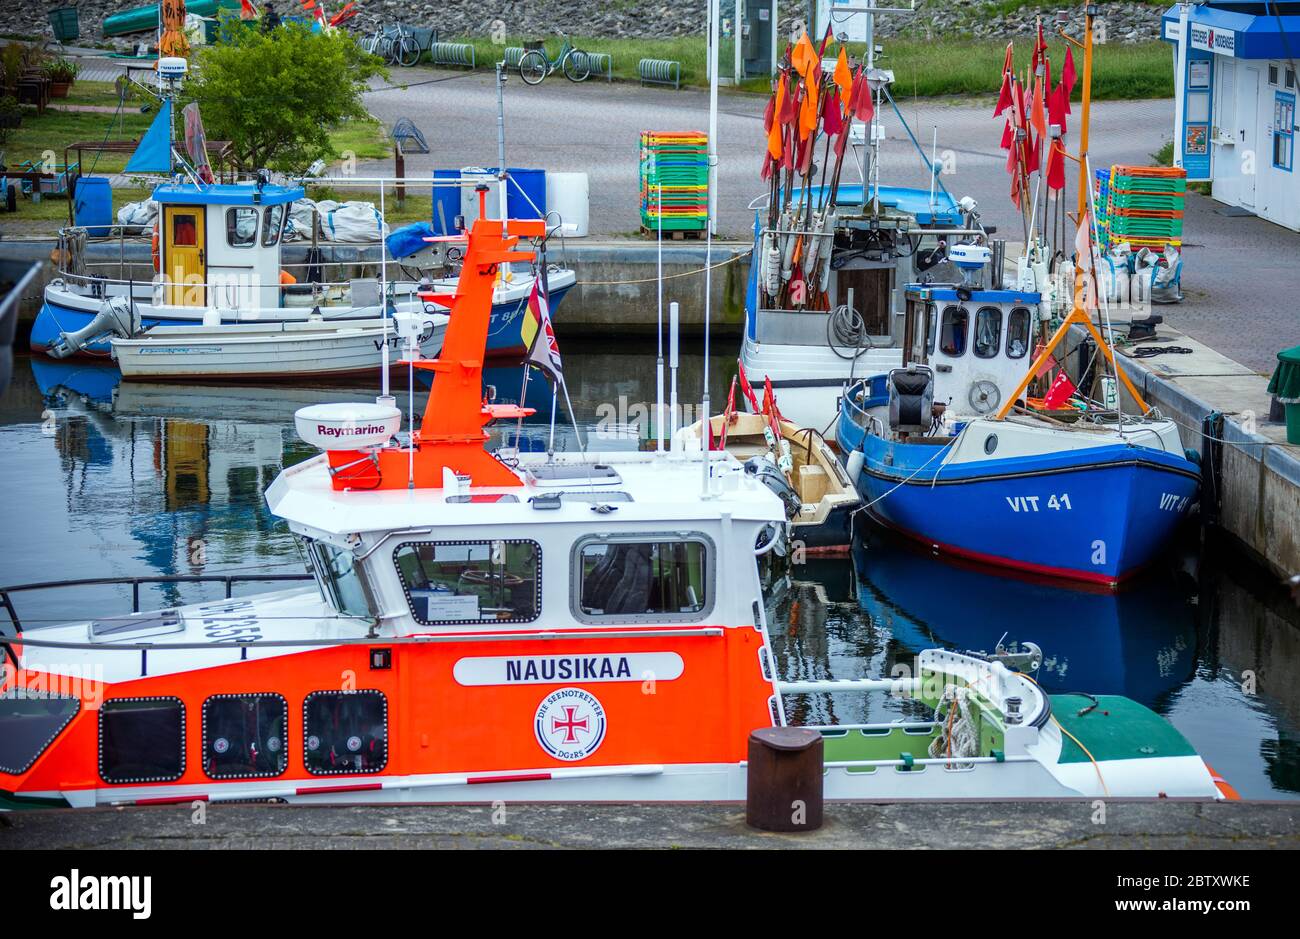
x=106, y=478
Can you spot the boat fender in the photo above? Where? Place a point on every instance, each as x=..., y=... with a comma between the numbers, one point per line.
x=854, y=466
x=773, y=479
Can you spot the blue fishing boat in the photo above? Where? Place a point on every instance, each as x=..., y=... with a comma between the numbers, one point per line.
x=1082, y=491
x=218, y=262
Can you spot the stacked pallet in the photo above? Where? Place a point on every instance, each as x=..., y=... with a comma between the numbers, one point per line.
x=674, y=168
x=1141, y=205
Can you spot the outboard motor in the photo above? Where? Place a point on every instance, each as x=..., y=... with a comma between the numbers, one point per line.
x=911, y=398
x=116, y=317
x=774, y=479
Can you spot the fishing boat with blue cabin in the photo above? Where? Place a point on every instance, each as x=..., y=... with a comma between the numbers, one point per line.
x=219, y=260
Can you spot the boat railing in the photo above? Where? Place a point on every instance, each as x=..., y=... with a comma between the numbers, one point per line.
x=229, y=581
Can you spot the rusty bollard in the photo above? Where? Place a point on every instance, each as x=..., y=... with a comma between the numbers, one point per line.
x=784, y=784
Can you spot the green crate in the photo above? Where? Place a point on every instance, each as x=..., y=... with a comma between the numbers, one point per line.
x=1121, y=226
x=1144, y=200
x=63, y=21
x=1148, y=184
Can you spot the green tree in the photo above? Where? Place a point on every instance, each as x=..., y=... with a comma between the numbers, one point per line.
x=277, y=95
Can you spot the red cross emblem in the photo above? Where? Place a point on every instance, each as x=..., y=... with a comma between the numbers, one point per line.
x=570, y=724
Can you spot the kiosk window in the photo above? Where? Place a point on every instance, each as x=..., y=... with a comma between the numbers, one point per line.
x=471, y=581
x=141, y=740
x=244, y=735
x=952, y=334
x=666, y=579
x=345, y=732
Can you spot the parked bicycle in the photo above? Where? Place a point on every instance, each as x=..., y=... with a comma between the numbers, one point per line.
x=534, y=66
x=396, y=45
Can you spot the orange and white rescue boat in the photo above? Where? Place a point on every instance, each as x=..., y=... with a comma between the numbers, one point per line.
x=587, y=627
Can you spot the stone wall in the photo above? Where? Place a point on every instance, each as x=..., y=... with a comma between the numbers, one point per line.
x=1124, y=21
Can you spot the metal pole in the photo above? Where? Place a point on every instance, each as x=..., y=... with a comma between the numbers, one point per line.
x=713, y=112
x=501, y=142
x=383, y=295
x=737, y=31
x=659, y=332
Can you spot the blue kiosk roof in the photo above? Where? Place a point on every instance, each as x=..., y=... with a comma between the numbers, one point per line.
x=226, y=194
x=1244, y=29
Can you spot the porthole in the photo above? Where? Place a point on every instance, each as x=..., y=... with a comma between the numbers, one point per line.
x=244, y=735
x=141, y=740
x=345, y=732
x=990, y=443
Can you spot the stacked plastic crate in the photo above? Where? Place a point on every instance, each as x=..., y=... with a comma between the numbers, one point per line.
x=675, y=165
x=1143, y=205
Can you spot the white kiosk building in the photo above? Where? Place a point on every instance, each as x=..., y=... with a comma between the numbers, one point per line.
x=1235, y=86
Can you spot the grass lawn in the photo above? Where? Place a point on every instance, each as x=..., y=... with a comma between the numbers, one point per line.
x=924, y=68
x=56, y=128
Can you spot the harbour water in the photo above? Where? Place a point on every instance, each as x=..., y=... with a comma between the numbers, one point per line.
x=104, y=479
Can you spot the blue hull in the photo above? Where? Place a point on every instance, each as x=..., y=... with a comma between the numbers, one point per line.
x=1097, y=515
x=505, y=336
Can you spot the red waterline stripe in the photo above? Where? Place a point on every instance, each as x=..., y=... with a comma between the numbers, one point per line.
x=171, y=800
x=528, y=777
x=1066, y=573
x=314, y=790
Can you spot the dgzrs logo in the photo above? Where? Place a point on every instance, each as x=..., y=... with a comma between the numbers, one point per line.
x=570, y=724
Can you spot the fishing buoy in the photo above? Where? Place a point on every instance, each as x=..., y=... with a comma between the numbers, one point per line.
x=854, y=466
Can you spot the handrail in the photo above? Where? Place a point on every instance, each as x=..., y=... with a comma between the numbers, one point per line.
x=228, y=579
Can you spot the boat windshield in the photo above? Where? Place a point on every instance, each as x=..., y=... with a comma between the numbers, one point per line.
x=339, y=578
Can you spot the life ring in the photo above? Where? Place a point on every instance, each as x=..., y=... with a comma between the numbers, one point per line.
x=157, y=256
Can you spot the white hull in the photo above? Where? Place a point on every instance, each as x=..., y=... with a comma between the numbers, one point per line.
x=268, y=350
x=809, y=379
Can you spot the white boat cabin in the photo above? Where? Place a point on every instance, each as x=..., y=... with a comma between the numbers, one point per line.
x=974, y=345
x=219, y=245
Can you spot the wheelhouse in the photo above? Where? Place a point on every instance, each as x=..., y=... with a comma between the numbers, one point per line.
x=219, y=245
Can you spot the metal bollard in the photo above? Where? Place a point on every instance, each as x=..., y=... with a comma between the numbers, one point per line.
x=784, y=782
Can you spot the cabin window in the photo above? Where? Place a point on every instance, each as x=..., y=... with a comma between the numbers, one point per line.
x=932, y=330
x=988, y=332
x=340, y=578
x=185, y=233
x=29, y=722
x=952, y=334
x=141, y=740
x=1018, y=323
x=241, y=227
x=274, y=223
x=471, y=581
x=244, y=735
x=640, y=577
x=345, y=732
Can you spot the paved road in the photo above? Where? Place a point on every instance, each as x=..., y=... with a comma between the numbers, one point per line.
x=594, y=128
x=1235, y=268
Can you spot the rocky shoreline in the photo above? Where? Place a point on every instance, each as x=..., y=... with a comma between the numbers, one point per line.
x=1125, y=21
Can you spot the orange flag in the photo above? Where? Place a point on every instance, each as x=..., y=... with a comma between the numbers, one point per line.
x=774, y=132
x=844, y=77
x=1036, y=115
x=808, y=113
x=805, y=60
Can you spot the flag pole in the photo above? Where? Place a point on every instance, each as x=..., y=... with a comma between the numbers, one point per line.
x=659, y=332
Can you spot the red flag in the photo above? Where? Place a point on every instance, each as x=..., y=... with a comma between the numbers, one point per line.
x=747, y=389
x=247, y=11
x=1068, y=77
x=863, y=105
x=727, y=413
x=788, y=104
x=1059, y=392
x=1008, y=136
x=1036, y=116
x=832, y=120
x=1057, y=107
x=1055, y=166
x=1004, y=94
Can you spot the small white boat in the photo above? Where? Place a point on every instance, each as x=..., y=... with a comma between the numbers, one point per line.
x=268, y=350
x=819, y=496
